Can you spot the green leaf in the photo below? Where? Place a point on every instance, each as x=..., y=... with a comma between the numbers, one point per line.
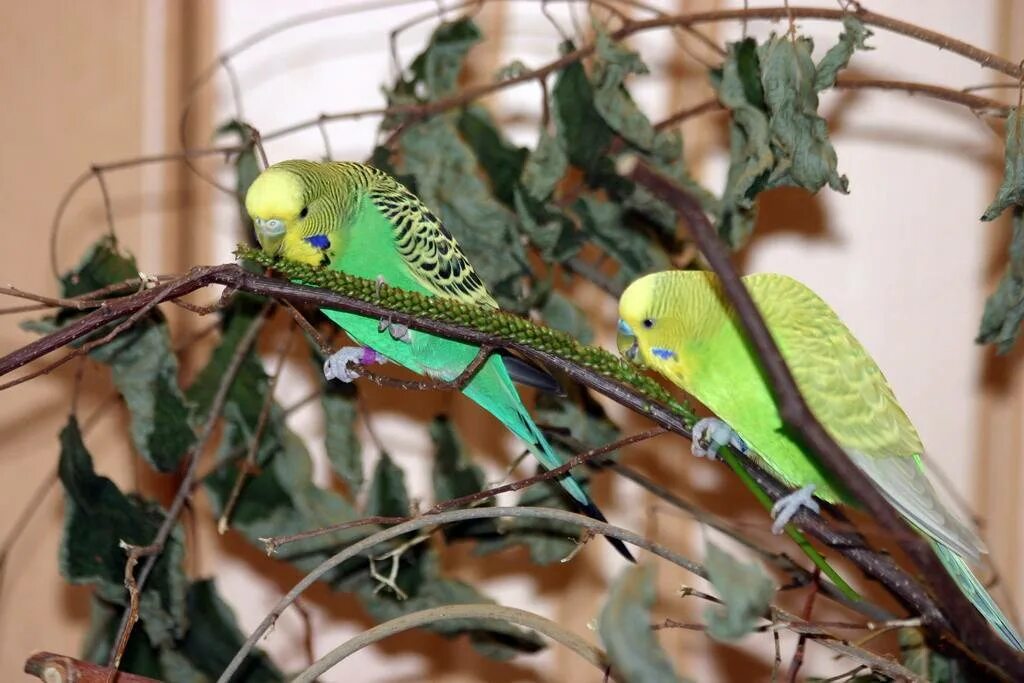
x=340, y=402
x=247, y=168
x=102, y=265
x=281, y=499
x=438, y=67
x=738, y=85
x=1011, y=191
x=919, y=658
x=493, y=639
x=548, y=228
x=804, y=156
x=548, y=541
x=853, y=38
x=582, y=131
x=1004, y=309
x=613, y=102
x=97, y=518
x=544, y=168
x=343, y=448
x=500, y=160
x=387, y=494
x=213, y=638
x=455, y=476
x=245, y=398
x=201, y=654
x=449, y=182
x=143, y=365
x=583, y=418
x=562, y=314
x=776, y=137
x=745, y=589
x=625, y=628
x=603, y=223
x=145, y=372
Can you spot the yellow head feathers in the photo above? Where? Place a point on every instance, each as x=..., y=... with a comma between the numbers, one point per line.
x=661, y=314
x=274, y=202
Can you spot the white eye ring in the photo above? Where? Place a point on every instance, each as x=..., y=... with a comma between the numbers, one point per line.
x=273, y=227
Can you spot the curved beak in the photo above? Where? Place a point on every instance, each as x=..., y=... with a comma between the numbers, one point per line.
x=269, y=233
x=626, y=342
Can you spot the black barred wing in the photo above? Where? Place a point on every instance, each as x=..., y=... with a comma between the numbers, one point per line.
x=431, y=252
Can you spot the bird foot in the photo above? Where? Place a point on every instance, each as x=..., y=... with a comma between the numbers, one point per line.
x=710, y=434
x=397, y=332
x=787, y=506
x=342, y=365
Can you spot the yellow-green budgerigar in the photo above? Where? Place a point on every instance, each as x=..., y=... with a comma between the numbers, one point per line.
x=359, y=220
x=681, y=324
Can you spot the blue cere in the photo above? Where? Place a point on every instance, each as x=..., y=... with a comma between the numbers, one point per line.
x=664, y=354
x=624, y=328
x=319, y=241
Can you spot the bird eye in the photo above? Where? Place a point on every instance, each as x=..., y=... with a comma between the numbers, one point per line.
x=648, y=323
x=304, y=212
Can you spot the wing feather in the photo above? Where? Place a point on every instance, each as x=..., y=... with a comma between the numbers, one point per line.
x=431, y=253
x=847, y=391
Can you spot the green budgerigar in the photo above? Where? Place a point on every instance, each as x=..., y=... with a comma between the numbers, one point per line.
x=681, y=324
x=359, y=220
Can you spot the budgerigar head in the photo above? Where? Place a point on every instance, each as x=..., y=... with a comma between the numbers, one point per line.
x=294, y=211
x=635, y=318
x=662, y=314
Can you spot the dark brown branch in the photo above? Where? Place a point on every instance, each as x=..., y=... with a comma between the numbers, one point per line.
x=966, y=622
x=877, y=565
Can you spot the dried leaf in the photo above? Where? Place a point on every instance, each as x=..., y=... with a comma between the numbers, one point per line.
x=745, y=589
x=582, y=131
x=439, y=66
x=448, y=181
x=502, y=161
x=1011, y=190
x=625, y=628
x=387, y=496
x=1004, y=309
x=97, y=518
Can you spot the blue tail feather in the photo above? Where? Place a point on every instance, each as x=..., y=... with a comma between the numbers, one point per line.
x=976, y=593
x=492, y=388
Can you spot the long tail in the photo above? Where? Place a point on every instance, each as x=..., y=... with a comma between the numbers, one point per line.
x=977, y=594
x=493, y=390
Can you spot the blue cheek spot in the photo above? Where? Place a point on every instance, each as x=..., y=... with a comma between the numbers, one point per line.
x=664, y=354
x=319, y=241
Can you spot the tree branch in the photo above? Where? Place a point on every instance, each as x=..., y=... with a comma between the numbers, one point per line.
x=484, y=611
x=966, y=622
x=877, y=565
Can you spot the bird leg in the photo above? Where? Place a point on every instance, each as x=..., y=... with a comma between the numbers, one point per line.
x=710, y=434
x=787, y=506
x=337, y=364
x=398, y=332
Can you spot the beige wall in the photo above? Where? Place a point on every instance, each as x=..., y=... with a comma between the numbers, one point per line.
x=114, y=90
x=83, y=83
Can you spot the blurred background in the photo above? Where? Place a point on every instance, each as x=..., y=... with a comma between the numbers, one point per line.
x=903, y=258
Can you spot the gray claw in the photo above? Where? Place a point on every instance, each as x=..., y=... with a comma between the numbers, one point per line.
x=344, y=363
x=710, y=434
x=787, y=506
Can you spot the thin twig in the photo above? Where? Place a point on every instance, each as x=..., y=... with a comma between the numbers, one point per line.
x=249, y=464
x=561, y=470
x=877, y=565
x=476, y=612
x=185, y=487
